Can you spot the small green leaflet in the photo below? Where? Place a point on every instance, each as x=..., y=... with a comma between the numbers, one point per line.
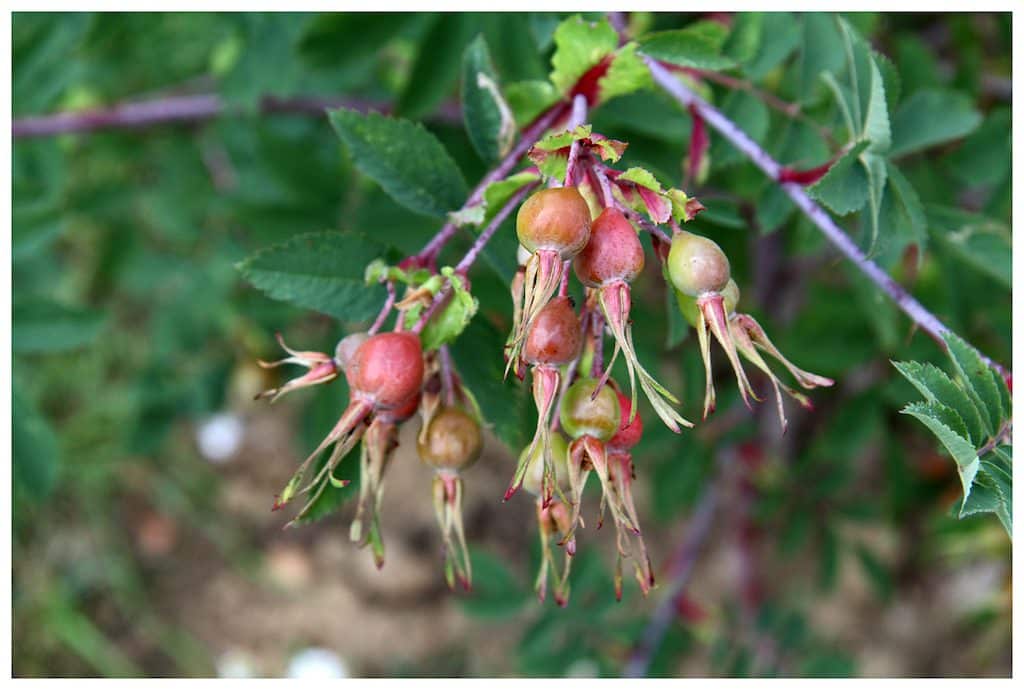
x=44, y=326
x=36, y=456
x=626, y=74
x=488, y=118
x=448, y=323
x=698, y=46
x=406, y=160
x=969, y=414
x=496, y=196
x=321, y=271
x=844, y=188
x=983, y=243
x=579, y=45
x=931, y=117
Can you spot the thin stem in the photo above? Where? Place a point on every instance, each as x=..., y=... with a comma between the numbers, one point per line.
x=597, y=333
x=447, y=382
x=577, y=118
x=385, y=310
x=474, y=251
x=924, y=319
x=563, y=288
x=184, y=109
x=530, y=135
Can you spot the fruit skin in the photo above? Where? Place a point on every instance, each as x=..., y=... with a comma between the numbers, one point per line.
x=453, y=440
x=554, y=336
x=613, y=253
x=629, y=434
x=387, y=369
x=534, y=477
x=555, y=219
x=697, y=265
x=580, y=415
x=688, y=305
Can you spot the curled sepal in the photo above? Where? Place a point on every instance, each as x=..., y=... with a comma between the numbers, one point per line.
x=515, y=362
x=545, y=391
x=448, y=492
x=345, y=433
x=711, y=316
x=629, y=544
x=380, y=439
x=326, y=476
x=321, y=369
x=615, y=305
x=541, y=279
x=551, y=520
x=588, y=453
x=749, y=338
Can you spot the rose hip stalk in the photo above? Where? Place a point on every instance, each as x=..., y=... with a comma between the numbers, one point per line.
x=384, y=372
x=450, y=443
x=699, y=269
x=612, y=259
x=620, y=462
x=554, y=339
x=591, y=421
x=553, y=225
x=552, y=519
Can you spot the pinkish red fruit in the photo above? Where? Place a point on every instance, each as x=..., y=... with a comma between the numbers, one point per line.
x=555, y=219
x=613, y=253
x=554, y=336
x=387, y=369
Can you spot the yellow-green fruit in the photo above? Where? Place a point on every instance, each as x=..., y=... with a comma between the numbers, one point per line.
x=534, y=477
x=452, y=442
x=697, y=265
x=556, y=219
x=580, y=416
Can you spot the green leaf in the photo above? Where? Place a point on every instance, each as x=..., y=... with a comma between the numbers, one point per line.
x=745, y=37
x=321, y=271
x=947, y=426
x=528, y=99
x=698, y=46
x=579, y=45
x=406, y=160
x=497, y=593
x=489, y=121
x=448, y=324
x=36, y=452
x=982, y=243
x=821, y=51
x=43, y=326
x=875, y=169
x=931, y=117
x=626, y=74
x=844, y=188
x=978, y=380
x=984, y=157
x=937, y=387
x=901, y=217
x=780, y=35
x=436, y=69
x=497, y=194
x=750, y=115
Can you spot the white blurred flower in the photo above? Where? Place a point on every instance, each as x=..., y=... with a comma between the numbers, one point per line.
x=234, y=663
x=220, y=436
x=315, y=662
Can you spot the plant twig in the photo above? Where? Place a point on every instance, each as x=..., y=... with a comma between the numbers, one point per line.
x=431, y=250
x=185, y=109
x=924, y=319
x=680, y=570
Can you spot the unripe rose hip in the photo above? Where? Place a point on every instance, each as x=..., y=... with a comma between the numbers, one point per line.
x=452, y=441
x=613, y=253
x=554, y=337
x=387, y=369
x=697, y=265
x=534, y=478
x=555, y=219
x=582, y=415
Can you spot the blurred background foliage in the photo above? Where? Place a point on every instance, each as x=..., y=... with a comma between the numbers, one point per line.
x=143, y=474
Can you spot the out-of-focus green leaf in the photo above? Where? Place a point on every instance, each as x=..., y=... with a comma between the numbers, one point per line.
x=745, y=37
x=435, y=73
x=698, y=45
x=930, y=117
x=751, y=115
x=321, y=271
x=780, y=36
x=36, y=456
x=821, y=51
x=497, y=593
x=489, y=121
x=984, y=157
x=983, y=243
x=844, y=188
x=406, y=160
x=43, y=326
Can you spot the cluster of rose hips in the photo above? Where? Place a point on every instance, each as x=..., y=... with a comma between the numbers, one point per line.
x=585, y=423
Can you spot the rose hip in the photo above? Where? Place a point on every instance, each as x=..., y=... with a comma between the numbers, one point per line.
x=452, y=440
x=387, y=369
x=697, y=265
x=554, y=337
x=554, y=219
x=614, y=251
